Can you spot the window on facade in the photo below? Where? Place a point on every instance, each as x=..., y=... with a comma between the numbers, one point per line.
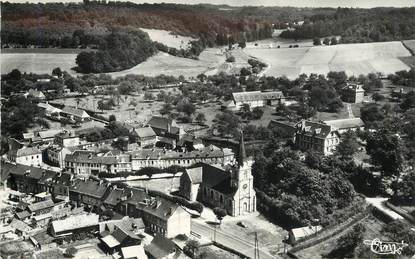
x=211, y=194
x=221, y=199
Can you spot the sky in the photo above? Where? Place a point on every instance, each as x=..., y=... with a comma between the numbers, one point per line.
x=296, y=3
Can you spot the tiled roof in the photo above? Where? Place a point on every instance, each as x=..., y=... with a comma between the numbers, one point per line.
x=346, y=123
x=89, y=187
x=145, y=132
x=28, y=151
x=163, y=124
x=62, y=179
x=315, y=129
x=161, y=208
x=20, y=225
x=217, y=178
x=158, y=153
x=160, y=247
x=75, y=222
x=18, y=169
x=74, y=111
x=41, y=205
x=114, y=197
x=49, y=133
x=256, y=96
x=81, y=156
x=22, y=214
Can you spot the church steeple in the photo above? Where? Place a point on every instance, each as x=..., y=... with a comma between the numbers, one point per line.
x=241, y=154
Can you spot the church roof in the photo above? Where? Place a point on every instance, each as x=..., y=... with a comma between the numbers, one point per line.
x=217, y=178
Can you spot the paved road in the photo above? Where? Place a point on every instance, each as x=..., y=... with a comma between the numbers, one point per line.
x=231, y=241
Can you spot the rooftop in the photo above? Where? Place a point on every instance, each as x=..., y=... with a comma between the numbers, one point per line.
x=41, y=205
x=346, y=123
x=160, y=247
x=75, y=222
x=256, y=96
x=89, y=187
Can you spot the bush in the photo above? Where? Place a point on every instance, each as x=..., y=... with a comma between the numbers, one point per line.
x=70, y=251
x=230, y=59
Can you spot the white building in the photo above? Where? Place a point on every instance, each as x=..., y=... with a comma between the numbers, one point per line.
x=253, y=99
x=30, y=156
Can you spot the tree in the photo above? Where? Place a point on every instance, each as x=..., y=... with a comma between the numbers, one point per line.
x=408, y=101
x=377, y=97
x=230, y=59
x=347, y=243
x=333, y=41
x=220, y=214
x=148, y=96
x=112, y=118
x=326, y=41
x=386, y=151
x=15, y=74
x=405, y=190
x=186, y=107
x=191, y=247
x=257, y=113
x=316, y=41
x=71, y=251
x=57, y=72
x=200, y=118
x=86, y=62
x=166, y=109
x=348, y=145
x=242, y=44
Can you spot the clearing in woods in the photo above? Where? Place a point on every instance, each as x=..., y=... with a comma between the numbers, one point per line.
x=168, y=39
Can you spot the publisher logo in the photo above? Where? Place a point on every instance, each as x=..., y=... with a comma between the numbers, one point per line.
x=384, y=247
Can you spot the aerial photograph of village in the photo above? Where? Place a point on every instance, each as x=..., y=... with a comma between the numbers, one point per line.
x=199, y=129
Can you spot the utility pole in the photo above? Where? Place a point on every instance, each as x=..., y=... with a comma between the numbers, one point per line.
x=256, y=252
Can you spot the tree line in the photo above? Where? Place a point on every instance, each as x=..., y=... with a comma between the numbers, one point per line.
x=358, y=25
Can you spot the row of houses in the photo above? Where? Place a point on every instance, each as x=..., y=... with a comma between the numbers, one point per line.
x=160, y=215
x=85, y=162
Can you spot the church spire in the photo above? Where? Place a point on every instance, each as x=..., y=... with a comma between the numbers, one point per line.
x=242, y=153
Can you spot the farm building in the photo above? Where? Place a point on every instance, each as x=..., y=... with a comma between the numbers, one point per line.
x=253, y=99
x=75, y=114
x=167, y=130
x=343, y=125
x=146, y=137
x=75, y=224
x=296, y=234
x=36, y=94
x=353, y=93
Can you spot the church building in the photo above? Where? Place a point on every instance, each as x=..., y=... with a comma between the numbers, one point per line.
x=229, y=187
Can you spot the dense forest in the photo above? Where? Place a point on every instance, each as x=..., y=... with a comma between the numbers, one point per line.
x=119, y=50
x=54, y=24
x=359, y=25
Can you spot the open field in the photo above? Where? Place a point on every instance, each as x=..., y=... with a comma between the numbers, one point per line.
x=168, y=39
x=39, y=63
x=163, y=63
x=355, y=59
